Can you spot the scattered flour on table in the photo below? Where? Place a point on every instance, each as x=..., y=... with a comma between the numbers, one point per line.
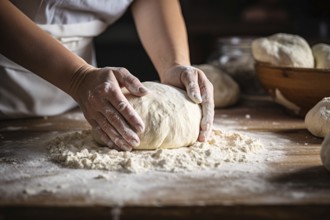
x=79, y=150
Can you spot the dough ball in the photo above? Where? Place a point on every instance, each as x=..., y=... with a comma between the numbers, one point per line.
x=171, y=119
x=226, y=90
x=325, y=152
x=317, y=119
x=283, y=50
x=321, y=54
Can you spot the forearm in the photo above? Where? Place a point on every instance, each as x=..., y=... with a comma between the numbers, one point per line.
x=162, y=31
x=26, y=44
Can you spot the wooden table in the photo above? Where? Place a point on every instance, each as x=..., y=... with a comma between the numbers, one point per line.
x=289, y=184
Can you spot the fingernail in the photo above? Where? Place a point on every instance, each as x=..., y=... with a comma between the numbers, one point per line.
x=140, y=128
x=122, y=105
x=201, y=137
x=196, y=97
x=135, y=143
x=126, y=148
x=143, y=90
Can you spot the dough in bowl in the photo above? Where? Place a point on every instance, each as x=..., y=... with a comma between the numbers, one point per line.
x=171, y=119
x=317, y=120
x=283, y=50
x=226, y=90
x=321, y=54
x=325, y=152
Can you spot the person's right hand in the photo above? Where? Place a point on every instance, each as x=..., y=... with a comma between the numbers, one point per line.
x=98, y=93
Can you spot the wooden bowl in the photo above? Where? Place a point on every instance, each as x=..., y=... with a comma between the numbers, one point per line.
x=298, y=89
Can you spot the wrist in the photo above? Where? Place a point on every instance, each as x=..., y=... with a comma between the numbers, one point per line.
x=173, y=75
x=167, y=71
x=78, y=78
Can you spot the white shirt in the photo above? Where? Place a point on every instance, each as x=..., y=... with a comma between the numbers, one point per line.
x=74, y=23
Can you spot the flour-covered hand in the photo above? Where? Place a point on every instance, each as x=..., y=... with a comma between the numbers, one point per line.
x=98, y=93
x=198, y=88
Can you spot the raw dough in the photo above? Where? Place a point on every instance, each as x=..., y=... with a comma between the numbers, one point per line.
x=321, y=54
x=325, y=152
x=171, y=119
x=226, y=90
x=317, y=119
x=283, y=50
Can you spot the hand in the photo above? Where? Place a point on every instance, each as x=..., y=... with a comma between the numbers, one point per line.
x=98, y=93
x=199, y=89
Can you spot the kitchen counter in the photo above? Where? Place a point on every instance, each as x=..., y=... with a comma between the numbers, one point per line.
x=288, y=182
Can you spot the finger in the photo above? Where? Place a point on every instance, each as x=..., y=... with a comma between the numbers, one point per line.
x=112, y=145
x=189, y=78
x=206, y=123
x=124, y=111
x=108, y=131
x=121, y=126
x=207, y=108
x=99, y=134
x=127, y=80
x=111, y=98
x=103, y=137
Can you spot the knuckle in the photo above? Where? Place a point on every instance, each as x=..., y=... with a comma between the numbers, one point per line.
x=102, y=123
x=184, y=76
x=119, y=142
x=115, y=120
x=122, y=106
x=191, y=71
x=187, y=73
x=209, y=101
x=109, y=112
x=121, y=71
x=105, y=125
x=108, y=87
x=192, y=86
x=116, y=140
x=127, y=134
x=131, y=79
x=189, y=76
x=100, y=92
x=131, y=117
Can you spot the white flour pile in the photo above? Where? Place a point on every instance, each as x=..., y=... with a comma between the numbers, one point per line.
x=78, y=150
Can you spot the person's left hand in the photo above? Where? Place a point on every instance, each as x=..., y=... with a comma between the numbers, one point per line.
x=199, y=89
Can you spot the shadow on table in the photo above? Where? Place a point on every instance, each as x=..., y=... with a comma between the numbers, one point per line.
x=316, y=177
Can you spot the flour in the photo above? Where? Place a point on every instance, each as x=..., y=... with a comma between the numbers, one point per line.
x=79, y=150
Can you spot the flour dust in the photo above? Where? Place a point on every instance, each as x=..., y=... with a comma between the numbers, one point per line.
x=79, y=150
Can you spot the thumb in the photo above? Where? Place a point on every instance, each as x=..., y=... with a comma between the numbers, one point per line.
x=133, y=84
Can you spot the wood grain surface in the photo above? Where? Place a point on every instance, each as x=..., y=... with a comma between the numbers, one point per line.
x=292, y=184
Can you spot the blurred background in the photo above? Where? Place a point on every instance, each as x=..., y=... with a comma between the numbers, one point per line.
x=209, y=21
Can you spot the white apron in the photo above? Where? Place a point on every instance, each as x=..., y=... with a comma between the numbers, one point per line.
x=72, y=22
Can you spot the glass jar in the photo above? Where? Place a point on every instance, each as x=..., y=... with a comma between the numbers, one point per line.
x=233, y=55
